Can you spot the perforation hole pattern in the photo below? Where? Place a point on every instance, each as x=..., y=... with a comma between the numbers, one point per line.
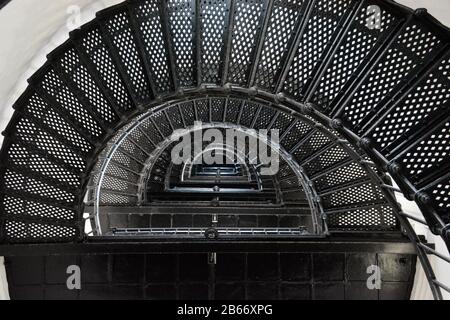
x=202, y=110
x=264, y=118
x=181, y=22
x=95, y=81
x=127, y=162
x=248, y=114
x=326, y=160
x=284, y=18
x=175, y=117
x=296, y=134
x=358, y=43
x=29, y=133
x=152, y=132
x=188, y=112
x=131, y=149
x=321, y=26
x=432, y=94
x=113, y=183
x=217, y=109
x=213, y=14
x=116, y=199
x=363, y=219
x=247, y=22
x=394, y=66
x=441, y=194
x=55, y=87
x=430, y=152
x=21, y=157
x=317, y=141
x=57, y=126
x=366, y=194
x=233, y=109
x=163, y=124
x=148, y=15
x=16, y=206
x=100, y=57
x=282, y=123
x=341, y=176
x=19, y=183
x=71, y=64
x=142, y=140
x=122, y=36
x=23, y=232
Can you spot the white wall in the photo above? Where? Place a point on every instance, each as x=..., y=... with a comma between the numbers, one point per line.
x=440, y=9
x=4, y=294
x=30, y=29
x=421, y=290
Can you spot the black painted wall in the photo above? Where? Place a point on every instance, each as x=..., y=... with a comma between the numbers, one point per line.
x=235, y=276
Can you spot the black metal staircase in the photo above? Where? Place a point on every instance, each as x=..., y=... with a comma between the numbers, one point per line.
x=358, y=96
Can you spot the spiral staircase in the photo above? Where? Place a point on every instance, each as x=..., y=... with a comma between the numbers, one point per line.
x=358, y=91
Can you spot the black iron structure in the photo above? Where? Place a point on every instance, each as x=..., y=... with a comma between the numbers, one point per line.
x=359, y=91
